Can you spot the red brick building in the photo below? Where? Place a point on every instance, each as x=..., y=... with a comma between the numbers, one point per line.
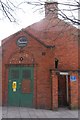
x=40, y=65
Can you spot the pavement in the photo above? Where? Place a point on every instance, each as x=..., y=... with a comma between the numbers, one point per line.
x=23, y=112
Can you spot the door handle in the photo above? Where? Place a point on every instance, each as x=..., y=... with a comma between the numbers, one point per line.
x=19, y=83
x=9, y=80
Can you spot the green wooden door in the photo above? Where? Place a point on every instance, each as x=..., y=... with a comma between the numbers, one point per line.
x=13, y=97
x=22, y=94
x=26, y=91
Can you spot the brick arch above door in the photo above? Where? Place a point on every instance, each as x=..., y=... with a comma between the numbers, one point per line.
x=22, y=57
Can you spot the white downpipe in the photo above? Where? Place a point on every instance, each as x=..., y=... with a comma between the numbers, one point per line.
x=67, y=88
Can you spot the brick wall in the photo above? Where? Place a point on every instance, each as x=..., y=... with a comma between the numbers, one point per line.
x=67, y=51
x=74, y=92
x=79, y=90
x=0, y=76
x=79, y=65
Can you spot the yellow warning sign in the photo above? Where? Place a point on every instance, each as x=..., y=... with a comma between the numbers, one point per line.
x=14, y=86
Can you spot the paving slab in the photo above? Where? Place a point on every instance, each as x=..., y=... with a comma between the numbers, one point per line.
x=0, y=113
x=23, y=112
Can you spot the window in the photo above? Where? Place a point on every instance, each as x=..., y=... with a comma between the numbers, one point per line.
x=26, y=74
x=14, y=74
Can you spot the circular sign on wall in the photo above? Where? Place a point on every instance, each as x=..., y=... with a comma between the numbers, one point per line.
x=22, y=42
